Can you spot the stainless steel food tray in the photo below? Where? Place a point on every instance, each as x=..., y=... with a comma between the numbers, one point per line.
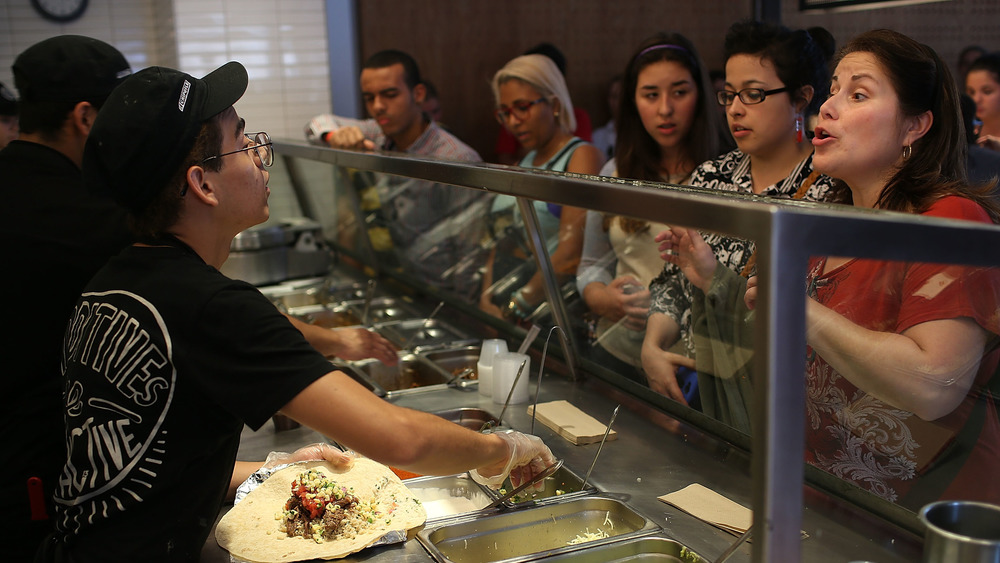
x=647, y=548
x=415, y=333
x=424, y=370
x=533, y=533
x=561, y=485
x=454, y=359
x=334, y=288
x=382, y=309
x=413, y=374
x=325, y=315
x=448, y=496
x=356, y=375
x=469, y=417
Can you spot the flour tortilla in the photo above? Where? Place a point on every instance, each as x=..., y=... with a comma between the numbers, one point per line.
x=251, y=532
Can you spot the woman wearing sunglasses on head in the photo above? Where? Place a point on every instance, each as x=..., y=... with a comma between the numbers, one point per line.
x=773, y=79
x=533, y=103
x=667, y=125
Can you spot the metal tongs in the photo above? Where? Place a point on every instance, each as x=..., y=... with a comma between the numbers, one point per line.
x=368, y=303
x=547, y=472
x=454, y=381
x=423, y=326
x=607, y=431
x=510, y=393
x=732, y=548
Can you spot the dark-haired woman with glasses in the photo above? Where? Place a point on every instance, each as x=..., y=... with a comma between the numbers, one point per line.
x=775, y=78
x=533, y=103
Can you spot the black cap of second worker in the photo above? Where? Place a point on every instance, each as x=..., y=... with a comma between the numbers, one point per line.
x=69, y=68
x=148, y=126
x=8, y=103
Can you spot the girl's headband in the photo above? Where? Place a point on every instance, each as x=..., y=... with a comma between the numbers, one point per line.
x=663, y=46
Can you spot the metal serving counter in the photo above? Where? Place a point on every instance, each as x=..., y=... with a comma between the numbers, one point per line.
x=663, y=446
x=653, y=455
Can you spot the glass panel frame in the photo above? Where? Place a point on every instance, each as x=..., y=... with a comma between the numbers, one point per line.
x=787, y=234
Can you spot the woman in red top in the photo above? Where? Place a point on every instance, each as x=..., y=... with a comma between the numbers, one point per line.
x=901, y=355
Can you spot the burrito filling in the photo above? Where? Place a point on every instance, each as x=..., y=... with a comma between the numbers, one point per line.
x=320, y=509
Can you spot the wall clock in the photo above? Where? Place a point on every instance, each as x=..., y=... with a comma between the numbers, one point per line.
x=61, y=11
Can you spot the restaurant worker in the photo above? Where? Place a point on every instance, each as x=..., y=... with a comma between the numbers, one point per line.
x=430, y=227
x=56, y=235
x=165, y=359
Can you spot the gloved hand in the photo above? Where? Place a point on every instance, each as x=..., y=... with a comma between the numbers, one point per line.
x=318, y=451
x=528, y=457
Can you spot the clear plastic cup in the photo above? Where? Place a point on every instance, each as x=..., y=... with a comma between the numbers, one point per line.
x=505, y=368
x=484, y=367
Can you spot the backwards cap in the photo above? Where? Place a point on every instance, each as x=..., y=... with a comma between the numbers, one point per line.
x=69, y=68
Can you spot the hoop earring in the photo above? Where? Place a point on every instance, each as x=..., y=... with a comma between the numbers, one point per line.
x=798, y=128
x=907, y=151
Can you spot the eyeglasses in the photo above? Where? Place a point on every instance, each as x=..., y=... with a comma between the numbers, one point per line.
x=519, y=109
x=261, y=145
x=748, y=96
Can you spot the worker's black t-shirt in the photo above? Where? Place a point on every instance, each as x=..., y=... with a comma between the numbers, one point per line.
x=56, y=235
x=166, y=359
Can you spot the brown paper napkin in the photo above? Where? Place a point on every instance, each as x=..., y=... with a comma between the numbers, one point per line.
x=571, y=423
x=709, y=506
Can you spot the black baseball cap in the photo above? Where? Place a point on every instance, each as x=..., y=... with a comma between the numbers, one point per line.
x=69, y=68
x=8, y=103
x=148, y=126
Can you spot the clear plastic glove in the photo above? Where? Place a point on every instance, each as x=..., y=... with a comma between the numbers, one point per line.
x=528, y=457
x=312, y=452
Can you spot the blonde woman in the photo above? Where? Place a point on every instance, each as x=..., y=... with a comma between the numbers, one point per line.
x=533, y=103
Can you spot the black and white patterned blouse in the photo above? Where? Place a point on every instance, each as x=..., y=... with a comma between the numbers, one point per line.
x=671, y=291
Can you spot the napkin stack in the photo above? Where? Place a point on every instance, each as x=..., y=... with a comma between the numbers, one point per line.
x=571, y=423
x=708, y=505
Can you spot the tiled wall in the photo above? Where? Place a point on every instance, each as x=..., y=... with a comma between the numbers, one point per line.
x=282, y=44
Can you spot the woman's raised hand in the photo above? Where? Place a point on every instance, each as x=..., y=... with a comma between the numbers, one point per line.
x=685, y=248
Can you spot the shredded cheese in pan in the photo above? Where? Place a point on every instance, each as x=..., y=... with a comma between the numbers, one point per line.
x=588, y=536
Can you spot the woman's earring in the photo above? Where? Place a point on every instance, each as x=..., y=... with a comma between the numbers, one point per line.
x=907, y=151
x=798, y=128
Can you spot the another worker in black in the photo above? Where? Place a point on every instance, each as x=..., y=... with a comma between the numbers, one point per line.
x=56, y=235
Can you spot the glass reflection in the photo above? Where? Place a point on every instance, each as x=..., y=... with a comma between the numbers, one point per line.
x=619, y=261
x=902, y=359
x=931, y=434
x=513, y=287
x=430, y=230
